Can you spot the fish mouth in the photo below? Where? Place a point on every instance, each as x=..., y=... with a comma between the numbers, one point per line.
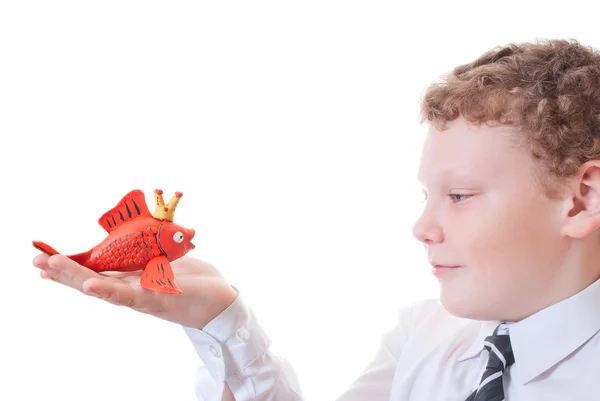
x=191, y=234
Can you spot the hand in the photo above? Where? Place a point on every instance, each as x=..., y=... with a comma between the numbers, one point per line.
x=205, y=292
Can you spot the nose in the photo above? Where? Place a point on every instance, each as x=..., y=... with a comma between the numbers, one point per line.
x=427, y=230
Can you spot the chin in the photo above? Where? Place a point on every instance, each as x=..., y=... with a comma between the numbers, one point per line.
x=464, y=305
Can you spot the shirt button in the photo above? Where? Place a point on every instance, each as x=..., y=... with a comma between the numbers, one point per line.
x=214, y=351
x=243, y=334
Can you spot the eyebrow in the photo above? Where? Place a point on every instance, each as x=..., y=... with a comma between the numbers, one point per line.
x=449, y=175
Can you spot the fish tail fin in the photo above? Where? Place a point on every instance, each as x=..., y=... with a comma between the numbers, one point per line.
x=47, y=249
x=80, y=258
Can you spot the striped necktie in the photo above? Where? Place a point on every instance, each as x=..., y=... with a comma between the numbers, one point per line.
x=500, y=358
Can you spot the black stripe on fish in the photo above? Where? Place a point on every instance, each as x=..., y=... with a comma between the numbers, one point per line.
x=137, y=209
x=114, y=222
x=158, y=240
x=121, y=215
x=108, y=222
x=162, y=267
x=170, y=283
x=128, y=211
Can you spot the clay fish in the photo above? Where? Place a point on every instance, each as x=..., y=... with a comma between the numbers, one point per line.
x=138, y=240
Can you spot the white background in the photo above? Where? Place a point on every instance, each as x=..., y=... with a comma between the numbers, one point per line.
x=290, y=127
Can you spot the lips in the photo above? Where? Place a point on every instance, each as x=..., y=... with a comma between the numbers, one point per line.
x=442, y=269
x=437, y=263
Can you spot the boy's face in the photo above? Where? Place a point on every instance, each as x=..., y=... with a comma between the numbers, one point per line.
x=486, y=214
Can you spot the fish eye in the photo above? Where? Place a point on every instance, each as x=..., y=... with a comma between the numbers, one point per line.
x=178, y=237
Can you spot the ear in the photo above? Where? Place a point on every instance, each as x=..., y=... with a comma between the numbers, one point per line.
x=582, y=204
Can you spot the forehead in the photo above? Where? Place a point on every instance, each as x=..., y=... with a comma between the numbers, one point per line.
x=465, y=150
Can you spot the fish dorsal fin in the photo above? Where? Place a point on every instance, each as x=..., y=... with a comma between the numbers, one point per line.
x=132, y=206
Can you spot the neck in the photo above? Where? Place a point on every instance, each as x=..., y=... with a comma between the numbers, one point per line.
x=576, y=270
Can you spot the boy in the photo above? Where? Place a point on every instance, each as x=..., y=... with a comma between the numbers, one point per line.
x=511, y=173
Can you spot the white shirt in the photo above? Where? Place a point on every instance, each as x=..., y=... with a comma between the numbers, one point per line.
x=429, y=355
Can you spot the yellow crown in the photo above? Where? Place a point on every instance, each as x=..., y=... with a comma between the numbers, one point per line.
x=167, y=212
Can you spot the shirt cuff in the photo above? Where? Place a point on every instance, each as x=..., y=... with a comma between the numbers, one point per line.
x=231, y=341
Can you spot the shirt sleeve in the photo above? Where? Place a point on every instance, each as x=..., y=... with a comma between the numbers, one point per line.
x=235, y=350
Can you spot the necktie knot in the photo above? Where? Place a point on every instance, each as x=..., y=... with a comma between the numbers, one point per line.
x=500, y=357
x=500, y=351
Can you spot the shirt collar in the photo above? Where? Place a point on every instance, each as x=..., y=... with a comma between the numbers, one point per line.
x=545, y=338
x=486, y=328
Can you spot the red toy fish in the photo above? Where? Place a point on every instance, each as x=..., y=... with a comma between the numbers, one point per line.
x=138, y=240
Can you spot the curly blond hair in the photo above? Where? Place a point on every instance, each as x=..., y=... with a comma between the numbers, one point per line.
x=548, y=90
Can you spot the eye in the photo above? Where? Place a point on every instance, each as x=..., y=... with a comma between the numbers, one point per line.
x=459, y=197
x=178, y=237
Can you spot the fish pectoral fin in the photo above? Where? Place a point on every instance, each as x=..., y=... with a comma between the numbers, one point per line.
x=158, y=276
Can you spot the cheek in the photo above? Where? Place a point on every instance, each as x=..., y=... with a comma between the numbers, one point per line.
x=501, y=239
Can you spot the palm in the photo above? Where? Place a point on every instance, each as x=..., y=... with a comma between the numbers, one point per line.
x=205, y=291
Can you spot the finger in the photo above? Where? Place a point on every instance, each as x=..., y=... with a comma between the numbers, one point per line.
x=68, y=272
x=121, y=275
x=114, y=291
x=41, y=261
x=44, y=274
